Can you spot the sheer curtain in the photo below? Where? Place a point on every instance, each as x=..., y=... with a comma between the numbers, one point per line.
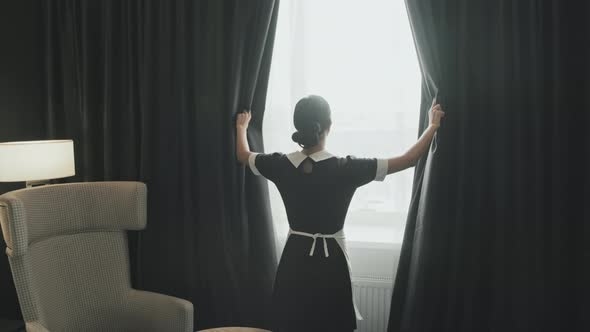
x=361, y=57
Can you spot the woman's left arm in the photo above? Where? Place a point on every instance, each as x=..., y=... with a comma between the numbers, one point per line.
x=242, y=146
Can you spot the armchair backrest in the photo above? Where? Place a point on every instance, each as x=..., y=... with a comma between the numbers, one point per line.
x=67, y=249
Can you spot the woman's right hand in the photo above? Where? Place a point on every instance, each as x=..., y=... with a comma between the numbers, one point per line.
x=435, y=114
x=243, y=120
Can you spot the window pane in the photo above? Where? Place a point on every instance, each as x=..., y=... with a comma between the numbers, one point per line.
x=360, y=56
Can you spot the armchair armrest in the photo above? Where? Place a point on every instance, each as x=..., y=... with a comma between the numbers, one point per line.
x=147, y=311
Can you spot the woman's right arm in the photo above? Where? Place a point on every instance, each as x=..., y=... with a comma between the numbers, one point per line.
x=411, y=157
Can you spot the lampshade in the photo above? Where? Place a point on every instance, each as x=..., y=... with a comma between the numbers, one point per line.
x=36, y=160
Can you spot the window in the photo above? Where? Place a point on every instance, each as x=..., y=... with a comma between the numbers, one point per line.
x=360, y=56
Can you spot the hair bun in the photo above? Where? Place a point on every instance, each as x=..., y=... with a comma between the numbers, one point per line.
x=296, y=137
x=308, y=137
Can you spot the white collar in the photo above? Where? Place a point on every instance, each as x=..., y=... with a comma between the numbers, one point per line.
x=297, y=157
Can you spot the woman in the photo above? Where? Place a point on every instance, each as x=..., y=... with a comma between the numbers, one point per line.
x=312, y=290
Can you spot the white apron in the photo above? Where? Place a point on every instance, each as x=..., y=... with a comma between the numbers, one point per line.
x=340, y=239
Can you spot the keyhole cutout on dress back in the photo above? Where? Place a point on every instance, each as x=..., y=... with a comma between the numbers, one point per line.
x=307, y=166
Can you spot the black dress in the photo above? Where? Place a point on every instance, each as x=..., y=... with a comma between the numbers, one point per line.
x=312, y=290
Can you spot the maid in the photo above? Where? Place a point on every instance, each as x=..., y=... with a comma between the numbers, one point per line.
x=312, y=290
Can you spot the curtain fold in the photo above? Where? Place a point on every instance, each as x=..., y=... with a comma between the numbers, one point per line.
x=497, y=228
x=148, y=91
x=253, y=40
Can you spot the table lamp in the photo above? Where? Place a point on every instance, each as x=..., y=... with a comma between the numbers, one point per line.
x=36, y=162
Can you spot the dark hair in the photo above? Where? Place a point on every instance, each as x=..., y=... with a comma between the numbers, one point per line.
x=311, y=118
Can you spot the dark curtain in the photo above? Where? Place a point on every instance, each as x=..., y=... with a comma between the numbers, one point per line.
x=497, y=232
x=20, y=107
x=253, y=41
x=148, y=90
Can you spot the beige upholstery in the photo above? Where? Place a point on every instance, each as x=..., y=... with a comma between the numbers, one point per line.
x=67, y=248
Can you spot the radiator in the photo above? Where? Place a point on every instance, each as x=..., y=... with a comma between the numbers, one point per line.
x=373, y=298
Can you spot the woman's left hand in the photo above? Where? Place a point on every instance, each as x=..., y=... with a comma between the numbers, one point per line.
x=243, y=120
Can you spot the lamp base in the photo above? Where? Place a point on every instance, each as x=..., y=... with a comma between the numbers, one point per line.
x=36, y=183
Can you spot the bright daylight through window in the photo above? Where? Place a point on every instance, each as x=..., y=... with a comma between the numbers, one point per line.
x=359, y=56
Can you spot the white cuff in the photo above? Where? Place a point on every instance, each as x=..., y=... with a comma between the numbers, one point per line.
x=252, y=163
x=382, y=166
